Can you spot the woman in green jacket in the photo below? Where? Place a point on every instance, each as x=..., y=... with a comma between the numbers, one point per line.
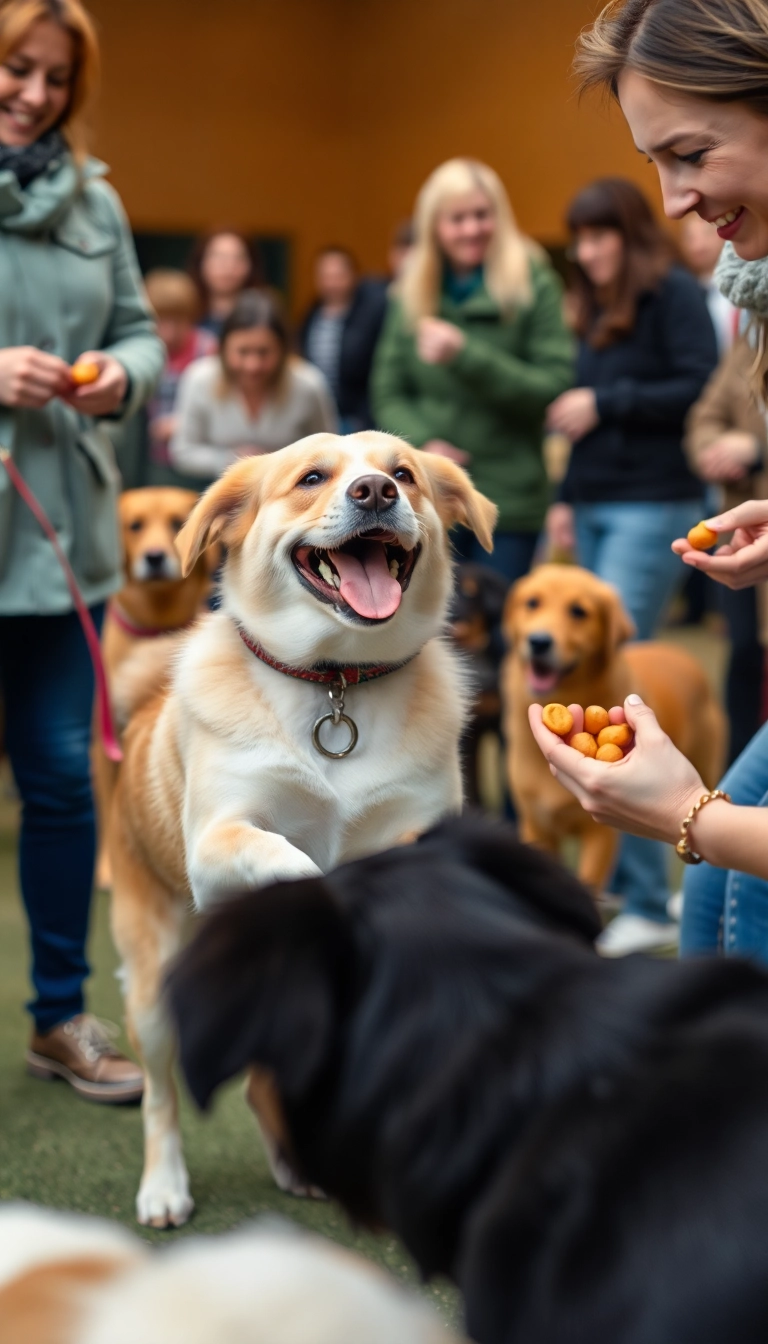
x=474, y=349
x=69, y=287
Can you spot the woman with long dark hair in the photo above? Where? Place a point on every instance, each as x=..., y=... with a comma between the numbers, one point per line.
x=646, y=349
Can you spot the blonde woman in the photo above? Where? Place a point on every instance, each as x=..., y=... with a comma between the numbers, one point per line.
x=474, y=349
x=253, y=397
x=69, y=287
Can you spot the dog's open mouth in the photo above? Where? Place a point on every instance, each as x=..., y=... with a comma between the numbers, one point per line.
x=367, y=575
x=543, y=677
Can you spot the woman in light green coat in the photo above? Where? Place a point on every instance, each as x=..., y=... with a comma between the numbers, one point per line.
x=69, y=287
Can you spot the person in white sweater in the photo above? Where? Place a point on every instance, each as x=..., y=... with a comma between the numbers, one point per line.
x=252, y=397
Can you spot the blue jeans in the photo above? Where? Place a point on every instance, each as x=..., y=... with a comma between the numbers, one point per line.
x=725, y=910
x=511, y=557
x=628, y=545
x=47, y=685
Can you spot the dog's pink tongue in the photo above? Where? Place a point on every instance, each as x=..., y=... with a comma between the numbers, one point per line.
x=366, y=583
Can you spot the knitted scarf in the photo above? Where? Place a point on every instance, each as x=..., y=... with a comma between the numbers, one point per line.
x=27, y=162
x=745, y=283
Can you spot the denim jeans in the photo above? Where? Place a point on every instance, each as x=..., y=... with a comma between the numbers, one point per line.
x=725, y=910
x=628, y=545
x=47, y=685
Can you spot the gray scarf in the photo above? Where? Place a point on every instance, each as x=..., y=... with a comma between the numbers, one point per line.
x=745, y=283
x=27, y=162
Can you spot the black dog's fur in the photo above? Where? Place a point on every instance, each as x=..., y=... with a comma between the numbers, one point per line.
x=581, y=1144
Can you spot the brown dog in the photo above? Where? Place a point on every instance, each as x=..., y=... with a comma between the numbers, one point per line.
x=565, y=629
x=155, y=600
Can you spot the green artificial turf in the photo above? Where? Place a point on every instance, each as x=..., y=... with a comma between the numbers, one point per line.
x=58, y=1150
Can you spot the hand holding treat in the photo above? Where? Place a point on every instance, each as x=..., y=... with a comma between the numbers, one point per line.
x=83, y=372
x=98, y=383
x=647, y=787
x=742, y=561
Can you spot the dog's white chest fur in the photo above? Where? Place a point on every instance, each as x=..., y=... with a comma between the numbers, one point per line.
x=249, y=760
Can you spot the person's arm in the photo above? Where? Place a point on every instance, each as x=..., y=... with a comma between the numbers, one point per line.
x=525, y=384
x=743, y=561
x=130, y=336
x=652, y=790
x=190, y=449
x=393, y=399
x=322, y=415
x=687, y=340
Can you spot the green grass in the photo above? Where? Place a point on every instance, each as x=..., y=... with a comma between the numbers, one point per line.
x=58, y=1150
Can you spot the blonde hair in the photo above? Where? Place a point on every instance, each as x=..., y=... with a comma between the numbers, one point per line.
x=18, y=16
x=172, y=293
x=507, y=264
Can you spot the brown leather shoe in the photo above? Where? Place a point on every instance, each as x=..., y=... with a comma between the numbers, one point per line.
x=81, y=1052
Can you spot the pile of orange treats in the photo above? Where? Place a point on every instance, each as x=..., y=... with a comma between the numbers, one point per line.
x=601, y=739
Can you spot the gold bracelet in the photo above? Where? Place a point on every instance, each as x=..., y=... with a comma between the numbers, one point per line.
x=682, y=847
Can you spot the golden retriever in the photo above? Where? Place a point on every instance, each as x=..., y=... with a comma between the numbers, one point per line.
x=565, y=630
x=155, y=599
x=240, y=772
x=68, y=1279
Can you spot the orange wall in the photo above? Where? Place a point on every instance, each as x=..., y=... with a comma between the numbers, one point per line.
x=320, y=118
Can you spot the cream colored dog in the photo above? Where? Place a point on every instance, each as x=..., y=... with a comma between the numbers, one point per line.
x=67, y=1279
x=242, y=771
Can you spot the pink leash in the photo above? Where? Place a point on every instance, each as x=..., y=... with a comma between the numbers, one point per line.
x=109, y=737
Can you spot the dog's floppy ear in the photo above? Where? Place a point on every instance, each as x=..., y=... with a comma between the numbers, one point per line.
x=457, y=500
x=619, y=624
x=224, y=513
x=262, y=983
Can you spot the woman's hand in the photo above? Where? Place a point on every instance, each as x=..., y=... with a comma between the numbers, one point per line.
x=162, y=429
x=648, y=793
x=729, y=458
x=106, y=393
x=560, y=529
x=30, y=378
x=438, y=342
x=744, y=560
x=441, y=448
x=573, y=413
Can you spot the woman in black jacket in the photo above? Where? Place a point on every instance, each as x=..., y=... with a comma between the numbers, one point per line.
x=646, y=349
x=340, y=332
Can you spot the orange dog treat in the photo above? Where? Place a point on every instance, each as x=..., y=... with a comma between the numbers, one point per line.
x=619, y=734
x=702, y=537
x=84, y=372
x=585, y=743
x=558, y=719
x=609, y=752
x=595, y=719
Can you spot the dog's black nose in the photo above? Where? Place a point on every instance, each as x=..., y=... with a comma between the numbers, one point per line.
x=540, y=644
x=376, y=493
x=155, y=561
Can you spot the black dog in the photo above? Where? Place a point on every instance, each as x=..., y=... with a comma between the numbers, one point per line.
x=474, y=624
x=581, y=1144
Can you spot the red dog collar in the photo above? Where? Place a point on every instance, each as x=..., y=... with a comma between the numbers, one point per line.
x=141, y=631
x=325, y=673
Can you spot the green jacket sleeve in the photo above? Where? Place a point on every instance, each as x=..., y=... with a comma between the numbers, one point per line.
x=393, y=398
x=130, y=334
x=526, y=384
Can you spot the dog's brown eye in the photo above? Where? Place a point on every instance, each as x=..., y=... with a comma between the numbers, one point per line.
x=177, y=524
x=533, y=603
x=136, y=525
x=578, y=611
x=403, y=474
x=311, y=478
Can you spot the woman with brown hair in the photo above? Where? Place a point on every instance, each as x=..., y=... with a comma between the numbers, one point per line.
x=253, y=397
x=69, y=289
x=691, y=77
x=646, y=349
x=223, y=265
